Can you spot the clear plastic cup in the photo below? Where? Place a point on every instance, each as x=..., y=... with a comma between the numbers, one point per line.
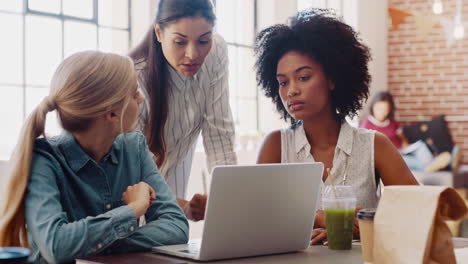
x=339, y=204
x=366, y=230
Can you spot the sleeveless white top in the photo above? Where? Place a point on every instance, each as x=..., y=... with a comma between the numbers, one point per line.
x=354, y=153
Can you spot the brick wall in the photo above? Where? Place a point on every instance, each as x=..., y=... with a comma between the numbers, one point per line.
x=426, y=77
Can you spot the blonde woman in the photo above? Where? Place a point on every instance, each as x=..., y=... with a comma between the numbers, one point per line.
x=82, y=193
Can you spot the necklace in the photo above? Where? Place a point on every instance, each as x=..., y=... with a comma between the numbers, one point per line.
x=345, y=174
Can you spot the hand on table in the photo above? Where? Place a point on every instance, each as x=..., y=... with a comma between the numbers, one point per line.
x=319, y=235
x=356, y=233
x=195, y=208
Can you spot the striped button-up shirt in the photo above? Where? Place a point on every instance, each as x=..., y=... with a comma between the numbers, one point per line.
x=197, y=103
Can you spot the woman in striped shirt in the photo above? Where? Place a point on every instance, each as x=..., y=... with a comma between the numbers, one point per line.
x=182, y=69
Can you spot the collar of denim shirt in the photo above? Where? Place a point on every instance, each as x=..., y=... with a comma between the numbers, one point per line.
x=78, y=158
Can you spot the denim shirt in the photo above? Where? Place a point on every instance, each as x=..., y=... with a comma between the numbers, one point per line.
x=74, y=204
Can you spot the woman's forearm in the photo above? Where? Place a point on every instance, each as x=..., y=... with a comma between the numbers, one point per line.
x=319, y=219
x=182, y=202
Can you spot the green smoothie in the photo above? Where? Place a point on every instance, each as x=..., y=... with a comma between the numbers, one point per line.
x=339, y=227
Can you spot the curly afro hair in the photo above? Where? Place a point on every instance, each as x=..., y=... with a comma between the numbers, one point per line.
x=330, y=42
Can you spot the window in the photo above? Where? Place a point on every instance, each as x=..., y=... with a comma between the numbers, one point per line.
x=39, y=35
x=236, y=24
x=344, y=8
x=336, y=5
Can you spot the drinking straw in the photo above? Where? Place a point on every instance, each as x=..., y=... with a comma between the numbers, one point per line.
x=333, y=186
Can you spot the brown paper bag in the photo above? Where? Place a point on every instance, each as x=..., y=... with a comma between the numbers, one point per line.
x=409, y=225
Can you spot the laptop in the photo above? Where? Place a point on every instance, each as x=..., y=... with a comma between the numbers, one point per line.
x=256, y=210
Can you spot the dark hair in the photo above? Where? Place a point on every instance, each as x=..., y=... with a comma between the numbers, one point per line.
x=156, y=72
x=383, y=97
x=334, y=45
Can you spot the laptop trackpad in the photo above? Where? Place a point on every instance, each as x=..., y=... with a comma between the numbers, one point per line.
x=188, y=251
x=193, y=248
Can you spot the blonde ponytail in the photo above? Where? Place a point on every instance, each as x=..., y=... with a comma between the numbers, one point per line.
x=12, y=226
x=84, y=86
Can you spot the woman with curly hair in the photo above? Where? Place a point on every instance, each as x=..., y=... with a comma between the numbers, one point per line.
x=315, y=71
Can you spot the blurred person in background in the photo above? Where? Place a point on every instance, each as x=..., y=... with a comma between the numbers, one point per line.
x=418, y=155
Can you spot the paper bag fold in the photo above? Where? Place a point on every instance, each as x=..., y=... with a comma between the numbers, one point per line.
x=409, y=225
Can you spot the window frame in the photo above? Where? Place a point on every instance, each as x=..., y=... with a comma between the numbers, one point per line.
x=62, y=17
x=27, y=11
x=238, y=99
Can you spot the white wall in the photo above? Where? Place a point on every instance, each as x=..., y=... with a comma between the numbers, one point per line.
x=5, y=172
x=272, y=12
x=372, y=23
x=142, y=17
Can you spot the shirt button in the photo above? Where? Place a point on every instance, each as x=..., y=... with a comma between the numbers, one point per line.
x=99, y=245
x=132, y=229
x=108, y=206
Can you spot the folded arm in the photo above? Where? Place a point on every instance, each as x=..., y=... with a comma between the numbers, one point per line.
x=60, y=240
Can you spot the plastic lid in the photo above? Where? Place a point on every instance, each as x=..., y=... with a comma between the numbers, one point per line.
x=338, y=192
x=366, y=214
x=8, y=254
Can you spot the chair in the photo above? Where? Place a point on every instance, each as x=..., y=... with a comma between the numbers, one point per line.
x=437, y=136
x=443, y=177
